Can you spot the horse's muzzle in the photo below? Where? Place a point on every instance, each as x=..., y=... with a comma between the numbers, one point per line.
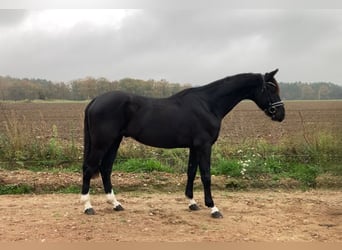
x=278, y=114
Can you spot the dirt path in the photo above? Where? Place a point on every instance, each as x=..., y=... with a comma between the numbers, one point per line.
x=248, y=216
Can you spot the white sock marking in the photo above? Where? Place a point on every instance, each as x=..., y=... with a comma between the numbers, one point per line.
x=85, y=199
x=192, y=202
x=214, y=210
x=111, y=199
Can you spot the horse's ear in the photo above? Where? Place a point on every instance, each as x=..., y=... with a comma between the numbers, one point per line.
x=270, y=75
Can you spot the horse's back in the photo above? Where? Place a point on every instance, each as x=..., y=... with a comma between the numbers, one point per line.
x=108, y=100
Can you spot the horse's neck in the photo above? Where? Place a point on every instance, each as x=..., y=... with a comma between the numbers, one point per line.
x=225, y=96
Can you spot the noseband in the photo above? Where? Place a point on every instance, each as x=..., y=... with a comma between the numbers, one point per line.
x=272, y=106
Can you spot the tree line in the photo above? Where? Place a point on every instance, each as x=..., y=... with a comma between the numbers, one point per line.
x=87, y=88
x=310, y=91
x=82, y=89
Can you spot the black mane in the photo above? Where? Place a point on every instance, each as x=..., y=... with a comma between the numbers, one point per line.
x=228, y=82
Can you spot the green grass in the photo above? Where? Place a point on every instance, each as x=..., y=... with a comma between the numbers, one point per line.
x=142, y=166
x=15, y=189
x=12, y=189
x=226, y=167
x=270, y=168
x=306, y=174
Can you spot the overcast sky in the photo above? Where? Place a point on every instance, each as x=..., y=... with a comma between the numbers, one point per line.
x=185, y=46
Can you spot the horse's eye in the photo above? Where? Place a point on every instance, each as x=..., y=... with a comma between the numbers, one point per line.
x=272, y=87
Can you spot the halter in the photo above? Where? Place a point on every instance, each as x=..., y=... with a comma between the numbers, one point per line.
x=272, y=106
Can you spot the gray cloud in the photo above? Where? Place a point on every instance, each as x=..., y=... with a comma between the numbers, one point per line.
x=9, y=17
x=195, y=46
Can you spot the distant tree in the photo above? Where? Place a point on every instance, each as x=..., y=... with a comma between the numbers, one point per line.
x=290, y=91
x=308, y=93
x=323, y=91
x=89, y=87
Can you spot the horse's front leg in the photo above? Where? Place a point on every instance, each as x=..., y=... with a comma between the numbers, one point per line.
x=111, y=199
x=192, y=169
x=204, y=165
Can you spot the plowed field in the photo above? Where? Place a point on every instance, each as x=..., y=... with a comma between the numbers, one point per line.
x=243, y=123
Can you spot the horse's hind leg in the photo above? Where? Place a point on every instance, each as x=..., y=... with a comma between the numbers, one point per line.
x=90, y=169
x=106, y=171
x=85, y=198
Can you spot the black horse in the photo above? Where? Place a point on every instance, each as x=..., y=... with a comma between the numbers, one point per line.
x=189, y=119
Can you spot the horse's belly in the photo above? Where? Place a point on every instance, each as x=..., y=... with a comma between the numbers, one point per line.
x=162, y=139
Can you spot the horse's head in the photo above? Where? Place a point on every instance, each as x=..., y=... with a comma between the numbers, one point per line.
x=268, y=99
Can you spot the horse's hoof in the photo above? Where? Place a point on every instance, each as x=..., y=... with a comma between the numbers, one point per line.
x=118, y=208
x=89, y=211
x=217, y=215
x=194, y=207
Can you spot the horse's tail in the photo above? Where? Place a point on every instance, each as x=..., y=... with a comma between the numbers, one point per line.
x=87, y=140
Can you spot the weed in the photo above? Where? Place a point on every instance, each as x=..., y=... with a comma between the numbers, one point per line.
x=21, y=144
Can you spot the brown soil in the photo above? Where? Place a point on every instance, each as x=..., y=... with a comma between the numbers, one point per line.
x=256, y=216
